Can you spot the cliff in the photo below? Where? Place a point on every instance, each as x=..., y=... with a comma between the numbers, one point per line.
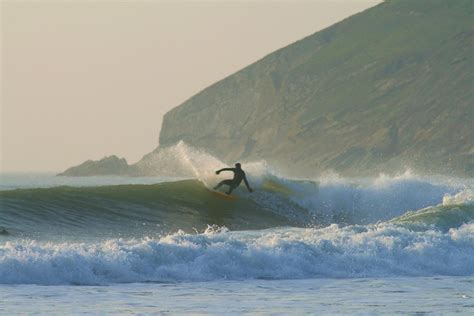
x=389, y=88
x=386, y=89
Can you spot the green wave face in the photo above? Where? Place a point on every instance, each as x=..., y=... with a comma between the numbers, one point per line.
x=188, y=205
x=441, y=217
x=130, y=209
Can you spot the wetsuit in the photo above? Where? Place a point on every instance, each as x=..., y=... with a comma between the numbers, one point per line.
x=239, y=175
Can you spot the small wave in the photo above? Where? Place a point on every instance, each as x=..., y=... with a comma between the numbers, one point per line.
x=452, y=213
x=335, y=252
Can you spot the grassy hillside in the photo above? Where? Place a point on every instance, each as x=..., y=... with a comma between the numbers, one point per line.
x=389, y=88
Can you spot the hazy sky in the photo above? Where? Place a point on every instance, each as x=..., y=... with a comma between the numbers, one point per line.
x=85, y=79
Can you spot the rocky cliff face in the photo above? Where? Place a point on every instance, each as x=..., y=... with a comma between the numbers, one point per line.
x=386, y=89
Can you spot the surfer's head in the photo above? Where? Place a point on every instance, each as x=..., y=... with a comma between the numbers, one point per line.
x=237, y=165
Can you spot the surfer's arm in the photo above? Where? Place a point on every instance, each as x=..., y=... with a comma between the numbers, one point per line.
x=247, y=184
x=224, y=169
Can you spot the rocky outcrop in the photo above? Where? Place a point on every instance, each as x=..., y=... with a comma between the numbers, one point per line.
x=111, y=165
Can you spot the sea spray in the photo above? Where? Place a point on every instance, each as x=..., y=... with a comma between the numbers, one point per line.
x=187, y=161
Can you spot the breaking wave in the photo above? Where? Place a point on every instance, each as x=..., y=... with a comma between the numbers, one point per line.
x=288, y=228
x=337, y=252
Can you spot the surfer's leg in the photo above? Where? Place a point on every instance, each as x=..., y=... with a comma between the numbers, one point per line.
x=231, y=188
x=226, y=182
x=218, y=185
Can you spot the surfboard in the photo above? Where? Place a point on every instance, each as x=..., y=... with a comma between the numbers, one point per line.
x=223, y=195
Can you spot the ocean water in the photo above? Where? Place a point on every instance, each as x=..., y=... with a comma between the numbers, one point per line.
x=116, y=245
x=363, y=296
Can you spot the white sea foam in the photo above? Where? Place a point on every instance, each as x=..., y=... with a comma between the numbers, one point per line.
x=285, y=253
x=465, y=196
x=369, y=200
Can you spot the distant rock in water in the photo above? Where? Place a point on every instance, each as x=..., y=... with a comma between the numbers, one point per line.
x=3, y=232
x=111, y=165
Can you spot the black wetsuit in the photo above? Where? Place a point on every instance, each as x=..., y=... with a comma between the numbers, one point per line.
x=239, y=175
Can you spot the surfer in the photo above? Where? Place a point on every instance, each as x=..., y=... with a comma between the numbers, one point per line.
x=239, y=175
